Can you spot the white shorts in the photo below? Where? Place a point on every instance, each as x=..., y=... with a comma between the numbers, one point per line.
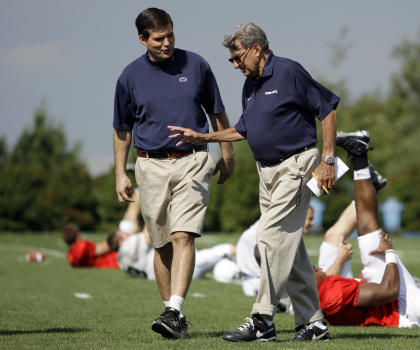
x=373, y=271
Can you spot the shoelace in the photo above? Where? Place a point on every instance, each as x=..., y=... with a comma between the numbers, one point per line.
x=249, y=322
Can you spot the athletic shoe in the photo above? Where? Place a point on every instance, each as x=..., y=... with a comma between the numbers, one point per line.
x=311, y=332
x=378, y=181
x=170, y=325
x=355, y=143
x=254, y=329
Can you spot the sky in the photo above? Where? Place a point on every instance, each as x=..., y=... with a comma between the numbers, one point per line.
x=69, y=54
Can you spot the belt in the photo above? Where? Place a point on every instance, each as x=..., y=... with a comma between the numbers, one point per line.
x=266, y=163
x=169, y=155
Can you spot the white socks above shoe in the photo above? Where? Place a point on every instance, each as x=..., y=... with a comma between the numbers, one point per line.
x=176, y=302
x=361, y=174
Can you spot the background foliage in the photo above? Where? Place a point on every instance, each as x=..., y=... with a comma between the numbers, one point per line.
x=43, y=184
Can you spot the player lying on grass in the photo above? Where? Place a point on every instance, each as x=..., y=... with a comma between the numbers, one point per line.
x=135, y=250
x=84, y=253
x=387, y=295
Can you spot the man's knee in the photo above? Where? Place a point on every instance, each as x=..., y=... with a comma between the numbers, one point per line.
x=183, y=238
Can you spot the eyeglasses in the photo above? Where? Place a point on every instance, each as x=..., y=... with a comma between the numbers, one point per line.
x=238, y=58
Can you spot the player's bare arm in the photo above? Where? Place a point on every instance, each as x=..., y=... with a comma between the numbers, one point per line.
x=226, y=164
x=123, y=186
x=345, y=253
x=325, y=172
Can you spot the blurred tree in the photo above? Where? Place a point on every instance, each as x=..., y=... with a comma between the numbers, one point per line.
x=42, y=184
x=109, y=210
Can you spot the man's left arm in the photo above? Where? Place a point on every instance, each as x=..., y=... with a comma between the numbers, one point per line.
x=226, y=164
x=325, y=173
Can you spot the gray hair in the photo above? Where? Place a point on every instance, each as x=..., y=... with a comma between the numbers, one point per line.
x=248, y=34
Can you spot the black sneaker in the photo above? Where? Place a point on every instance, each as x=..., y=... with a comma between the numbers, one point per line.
x=311, y=332
x=355, y=143
x=378, y=181
x=170, y=325
x=254, y=329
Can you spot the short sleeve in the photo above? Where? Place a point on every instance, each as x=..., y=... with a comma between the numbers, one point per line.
x=311, y=95
x=123, y=115
x=81, y=253
x=210, y=97
x=240, y=126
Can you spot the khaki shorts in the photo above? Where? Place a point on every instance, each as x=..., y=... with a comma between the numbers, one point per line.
x=174, y=194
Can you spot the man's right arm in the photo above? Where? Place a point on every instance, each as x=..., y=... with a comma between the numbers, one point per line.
x=122, y=142
x=190, y=136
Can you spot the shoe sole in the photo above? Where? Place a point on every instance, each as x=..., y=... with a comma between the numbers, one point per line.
x=260, y=340
x=166, y=331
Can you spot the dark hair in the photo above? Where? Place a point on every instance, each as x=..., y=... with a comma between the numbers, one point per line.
x=152, y=18
x=113, y=241
x=69, y=233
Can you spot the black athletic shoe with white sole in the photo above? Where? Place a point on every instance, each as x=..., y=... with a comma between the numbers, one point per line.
x=311, y=332
x=355, y=143
x=170, y=325
x=254, y=329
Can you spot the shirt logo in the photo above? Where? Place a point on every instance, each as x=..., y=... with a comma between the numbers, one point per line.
x=270, y=92
x=183, y=79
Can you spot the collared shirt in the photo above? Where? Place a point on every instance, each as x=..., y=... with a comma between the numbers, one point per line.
x=152, y=95
x=279, y=109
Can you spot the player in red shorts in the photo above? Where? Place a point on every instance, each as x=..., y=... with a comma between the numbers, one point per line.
x=83, y=253
x=388, y=295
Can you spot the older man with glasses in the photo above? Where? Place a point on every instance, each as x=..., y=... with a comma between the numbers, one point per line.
x=280, y=102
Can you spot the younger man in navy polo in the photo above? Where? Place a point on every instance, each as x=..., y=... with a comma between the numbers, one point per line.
x=166, y=86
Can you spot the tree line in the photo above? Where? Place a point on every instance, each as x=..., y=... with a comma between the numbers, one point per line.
x=49, y=186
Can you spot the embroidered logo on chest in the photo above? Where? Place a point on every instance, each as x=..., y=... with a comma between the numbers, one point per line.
x=183, y=79
x=270, y=92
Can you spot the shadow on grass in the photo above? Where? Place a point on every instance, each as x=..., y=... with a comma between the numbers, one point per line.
x=215, y=334
x=374, y=335
x=43, y=331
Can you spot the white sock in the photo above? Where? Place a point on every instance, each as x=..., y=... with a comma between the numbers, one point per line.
x=361, y=174
x=166, y=302
x=176, y=302
x=318, y=324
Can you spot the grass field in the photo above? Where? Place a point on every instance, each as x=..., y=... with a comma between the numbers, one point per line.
x=39, y=309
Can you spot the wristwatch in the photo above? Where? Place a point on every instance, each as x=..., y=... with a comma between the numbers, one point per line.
x=330, y=160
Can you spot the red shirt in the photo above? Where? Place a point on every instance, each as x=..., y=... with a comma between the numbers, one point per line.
x=82, y=254
x=338, y=297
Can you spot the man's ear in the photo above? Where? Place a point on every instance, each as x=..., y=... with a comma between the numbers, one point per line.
x=142, y=40
x=258, y=49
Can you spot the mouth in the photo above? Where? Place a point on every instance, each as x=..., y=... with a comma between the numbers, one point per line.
x=167, y=51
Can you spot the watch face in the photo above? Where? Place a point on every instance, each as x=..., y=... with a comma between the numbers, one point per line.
x=329, y=160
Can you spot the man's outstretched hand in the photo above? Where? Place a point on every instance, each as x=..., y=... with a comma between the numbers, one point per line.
x=186, y=135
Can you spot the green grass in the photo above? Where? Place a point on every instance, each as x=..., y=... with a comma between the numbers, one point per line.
x=39, y=310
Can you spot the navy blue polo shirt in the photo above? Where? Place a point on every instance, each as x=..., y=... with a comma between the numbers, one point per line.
x=152, y=95
x=279, y=109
